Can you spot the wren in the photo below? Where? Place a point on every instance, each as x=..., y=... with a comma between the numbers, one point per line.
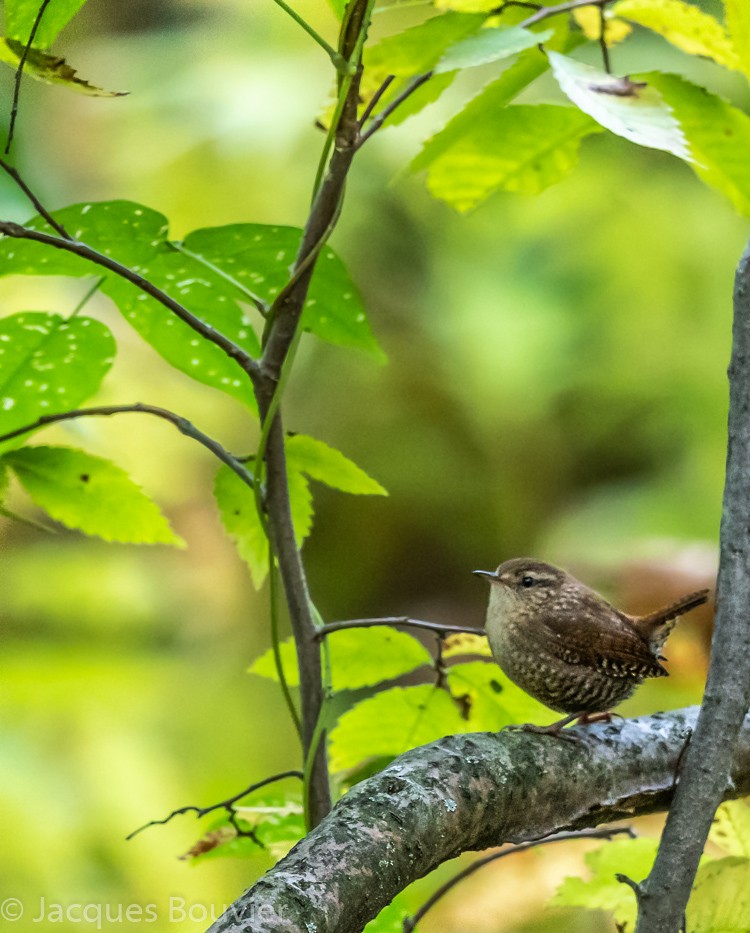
x=566, y=646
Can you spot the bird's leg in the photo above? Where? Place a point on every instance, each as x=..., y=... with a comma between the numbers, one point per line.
x=585, y=718
x=554, y=729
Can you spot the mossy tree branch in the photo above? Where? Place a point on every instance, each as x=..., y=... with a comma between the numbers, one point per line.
x=466, y=793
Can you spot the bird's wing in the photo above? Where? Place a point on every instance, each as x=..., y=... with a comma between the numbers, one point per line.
x=603, y=639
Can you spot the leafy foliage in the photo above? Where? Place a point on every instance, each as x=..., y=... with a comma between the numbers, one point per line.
x=89, y=494
x=359, y=658
x=731, y=828
x=49, y=364
x=307, y=457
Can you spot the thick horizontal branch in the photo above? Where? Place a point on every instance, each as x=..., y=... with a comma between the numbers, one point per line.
x=232, y=350
x=465, y=793
x=182, y=424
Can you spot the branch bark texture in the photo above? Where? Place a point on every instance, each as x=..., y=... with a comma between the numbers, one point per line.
x=705, y=772
x=463, y=793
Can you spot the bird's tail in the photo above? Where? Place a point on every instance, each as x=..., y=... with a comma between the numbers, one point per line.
x=656, y=626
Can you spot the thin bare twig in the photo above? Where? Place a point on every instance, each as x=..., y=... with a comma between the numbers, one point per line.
x=547, y=11
x=386, y=112
x=182, y=424
x=437, y=627
x=410, y=923
x=19, y=73
x=227, y=804
x=375, y=100
x=232, y=350
x=40, y=208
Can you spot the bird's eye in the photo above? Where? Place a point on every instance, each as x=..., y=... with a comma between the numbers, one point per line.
x=527, y=581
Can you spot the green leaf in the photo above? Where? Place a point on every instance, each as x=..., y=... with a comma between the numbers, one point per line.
x=490, y=701
x=260, y=258
x=328, y=465
x=239, y=516
x=419, y=48
x=90, y=494
x=686, y=26
x=731, y=828
x=359, y=657
x=631, y=857
x=390, y=919
x=492, y=98
x=631, y=109
x=490, y=45
x=738, y=22
x=20, y=16
x=523, y=149
x=391, y=722
x=717, y=133
x=720, y=902
x=51, y=69
x=136, y=236
x=48, y=364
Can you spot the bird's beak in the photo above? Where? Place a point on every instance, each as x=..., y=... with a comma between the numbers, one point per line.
x=490, y=574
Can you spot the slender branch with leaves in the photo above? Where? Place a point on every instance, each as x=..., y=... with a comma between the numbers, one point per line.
x=230, y=307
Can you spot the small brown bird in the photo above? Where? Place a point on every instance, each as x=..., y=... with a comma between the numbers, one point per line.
x=566, y=645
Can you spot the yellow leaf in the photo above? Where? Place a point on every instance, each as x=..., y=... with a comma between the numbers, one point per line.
x=589, y=19
x=685, y=26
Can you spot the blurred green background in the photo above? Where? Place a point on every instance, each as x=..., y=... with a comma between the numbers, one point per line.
x=556, y=386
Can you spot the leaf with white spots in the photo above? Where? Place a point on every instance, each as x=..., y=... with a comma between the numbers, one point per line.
x=631, y=109
x=48, y=364
x=136, y=236
x=261, y=258
x=90, y=494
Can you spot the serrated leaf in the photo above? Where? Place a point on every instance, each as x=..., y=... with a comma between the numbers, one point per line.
x=239, y=516
x=631, y=109
x=490, y=701
x=720, y=900
x=631, y=857
x=359, y=658
x=495, y=96
x=261, y=257
x=731, y=828
x=90, y=494
x=717, y=133
x=590, y=20
x=738, y=22
x=684, y=25
x=51, y=69
x=20, y=16
x=523, y=149
x=419, y=48
x=327, y=465
x=391, y=722
x=48, y=364
x=136, y=236
x=490, y=45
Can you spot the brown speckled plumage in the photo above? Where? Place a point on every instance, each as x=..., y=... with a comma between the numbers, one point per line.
x=567, y=646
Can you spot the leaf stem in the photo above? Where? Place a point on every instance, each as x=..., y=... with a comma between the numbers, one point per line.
x=87, y=297
x=338, y=61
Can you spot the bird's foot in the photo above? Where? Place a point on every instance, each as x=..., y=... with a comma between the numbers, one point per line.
x=555, y=729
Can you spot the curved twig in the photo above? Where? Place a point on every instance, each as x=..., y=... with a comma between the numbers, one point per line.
x=437, y=627
x=222, y=805
x=182, y=424
x=410, y=923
